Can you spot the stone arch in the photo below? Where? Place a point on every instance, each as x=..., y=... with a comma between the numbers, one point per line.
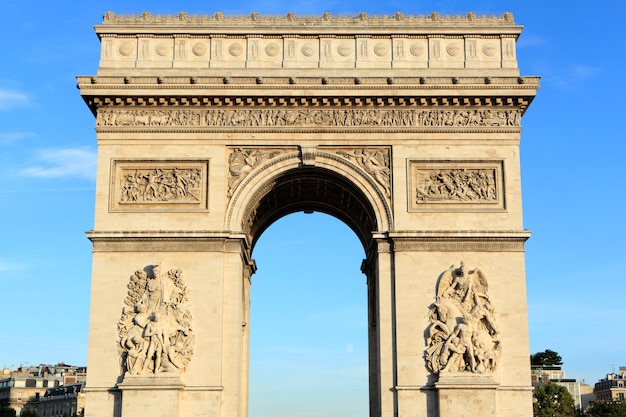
x=332, y=185
x=351, y=104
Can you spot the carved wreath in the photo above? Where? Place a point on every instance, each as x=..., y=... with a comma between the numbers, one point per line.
x=155, y=333
x=462, y=335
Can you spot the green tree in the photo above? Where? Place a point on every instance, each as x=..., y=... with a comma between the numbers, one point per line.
x=546, y=358
x=553, y=401
x=28, y=413
x=7, y=412
x=606, y=409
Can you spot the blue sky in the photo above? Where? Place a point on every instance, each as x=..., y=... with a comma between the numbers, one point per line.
x=572, y=151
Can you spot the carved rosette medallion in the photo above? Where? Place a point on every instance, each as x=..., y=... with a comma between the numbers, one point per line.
x=155, y=329
x=242, y=161
x=375, y=161
x=456, y=185
x=462, y=336
x=159, y=185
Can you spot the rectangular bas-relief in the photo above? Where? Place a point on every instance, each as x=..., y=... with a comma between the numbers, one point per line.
x=159, y=185
x=462, y=185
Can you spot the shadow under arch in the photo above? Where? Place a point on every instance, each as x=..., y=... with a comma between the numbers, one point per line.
x=329, y=183
x=332, y=185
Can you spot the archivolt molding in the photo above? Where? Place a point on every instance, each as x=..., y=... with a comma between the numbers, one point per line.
x=377, y=172
x=246, y=196
x=287, y=156
x=242, y=161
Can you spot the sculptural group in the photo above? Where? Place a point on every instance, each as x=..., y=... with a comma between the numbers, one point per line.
x=155, y=332
x=462, y=335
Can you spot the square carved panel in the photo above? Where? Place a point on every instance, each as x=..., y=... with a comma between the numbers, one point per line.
x=448, y=185
x=159, y=185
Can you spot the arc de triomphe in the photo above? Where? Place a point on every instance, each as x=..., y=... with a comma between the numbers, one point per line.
x=210, y=128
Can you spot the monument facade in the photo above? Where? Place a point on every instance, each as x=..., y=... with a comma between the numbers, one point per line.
x=210, y=128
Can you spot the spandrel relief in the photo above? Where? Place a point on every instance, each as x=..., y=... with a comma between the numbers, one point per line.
x=159, y=185
x=375, y=162
x=155, y=329
x=242, y=161
x=458, y=185
x=462, y=335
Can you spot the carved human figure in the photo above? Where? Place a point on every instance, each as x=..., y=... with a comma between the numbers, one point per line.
x=154, y=332
x=461, y=185
x=154, y=291
x=151, y=190
x=462, y=335
x=155, y=336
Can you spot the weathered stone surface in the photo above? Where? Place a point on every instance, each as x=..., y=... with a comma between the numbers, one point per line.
x=406, y=128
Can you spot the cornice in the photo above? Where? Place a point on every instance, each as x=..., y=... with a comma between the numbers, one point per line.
x=167, y=241
x=284, y=84
x=459, y=241
x=511, y=92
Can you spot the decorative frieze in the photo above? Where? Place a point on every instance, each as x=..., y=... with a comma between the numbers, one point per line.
x=462, y=336
x=155, y=329
x=159, y=185
x=309, y=118
x=456, y=185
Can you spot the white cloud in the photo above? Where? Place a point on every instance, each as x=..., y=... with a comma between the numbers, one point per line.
x=11, y=137
x=529, y=40
x=568, y=77
x=57, y=163
x=11, y=98
x=7, y=266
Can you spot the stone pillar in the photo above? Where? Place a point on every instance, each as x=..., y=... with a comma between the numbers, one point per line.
x=467, y=395
x=235, y=337
x=151, y=395
x=385, y=325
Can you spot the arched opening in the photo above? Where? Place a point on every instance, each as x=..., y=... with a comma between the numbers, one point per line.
x=308, y=320
x=310, y=189
x=338, y=192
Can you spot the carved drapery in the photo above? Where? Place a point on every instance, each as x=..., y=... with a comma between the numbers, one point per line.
x=242, y=161
x=375, y=162
x=462, y=335
x=155, y=329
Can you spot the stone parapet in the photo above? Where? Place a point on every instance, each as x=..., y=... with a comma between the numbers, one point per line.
x=432, y=44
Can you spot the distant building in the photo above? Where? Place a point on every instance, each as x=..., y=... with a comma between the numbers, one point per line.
x=612, y=388
x=543, y=374
x=62, y=401
x=23, y=388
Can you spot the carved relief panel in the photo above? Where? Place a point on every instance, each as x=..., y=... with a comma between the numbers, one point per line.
x=375, y=161
x=242, y=161
x=314, y=118
x=155, y=329
x=462, y=185
x=462, y=335
x=180, y=185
